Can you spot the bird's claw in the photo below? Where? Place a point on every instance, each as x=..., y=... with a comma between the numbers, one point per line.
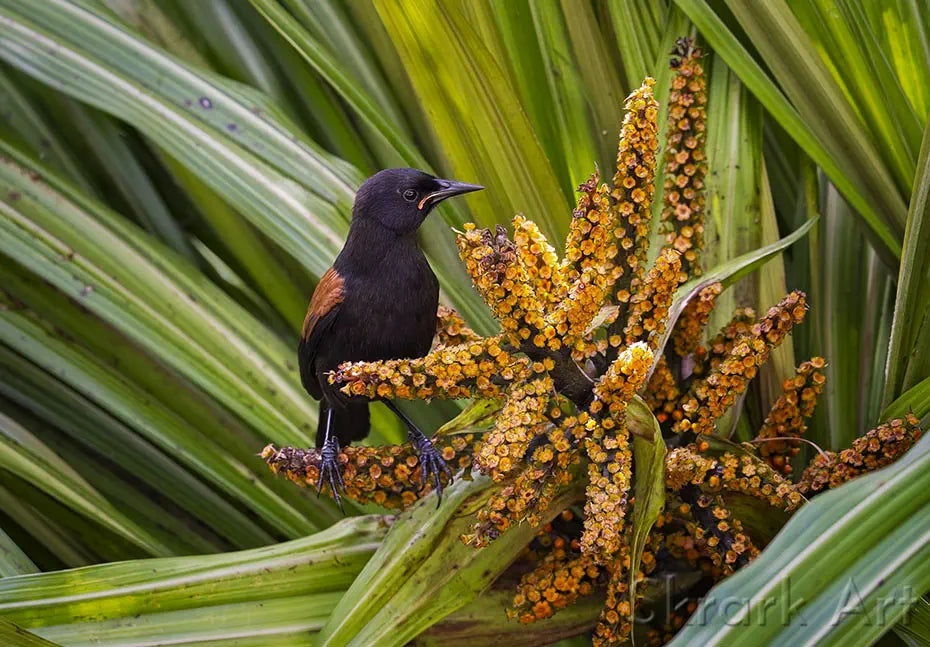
x=330, y=474
x=432, y=462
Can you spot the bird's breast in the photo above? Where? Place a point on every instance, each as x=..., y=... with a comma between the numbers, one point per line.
x=394, y=309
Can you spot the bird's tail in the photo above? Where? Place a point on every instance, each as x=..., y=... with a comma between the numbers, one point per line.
x=348, y=423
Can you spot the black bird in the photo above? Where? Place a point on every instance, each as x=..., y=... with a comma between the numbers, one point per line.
x=378, y=301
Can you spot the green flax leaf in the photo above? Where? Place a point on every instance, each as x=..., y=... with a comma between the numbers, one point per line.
x=648, y=483
x=908, y=355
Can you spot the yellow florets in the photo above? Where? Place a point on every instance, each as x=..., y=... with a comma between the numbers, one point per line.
x=711, y=397
x=451, y=329
x=685, y=158
x=786, y=418
x=523, y=417
x=686, y=338
x=879, y=447
x=480, y=368
x=560, y=578
x=634, y=185
x=389, y=476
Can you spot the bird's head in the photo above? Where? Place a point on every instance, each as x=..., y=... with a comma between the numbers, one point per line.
x=400, y=198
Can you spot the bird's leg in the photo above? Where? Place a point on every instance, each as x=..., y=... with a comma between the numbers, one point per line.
x=431, y=461
x=329, y=467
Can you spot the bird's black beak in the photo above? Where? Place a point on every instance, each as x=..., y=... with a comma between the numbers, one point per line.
x=448, y=188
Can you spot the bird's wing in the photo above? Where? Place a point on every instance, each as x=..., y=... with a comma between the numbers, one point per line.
x=322, y=311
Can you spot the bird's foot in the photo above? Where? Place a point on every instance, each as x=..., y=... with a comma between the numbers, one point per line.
x=431, y=462
x=330, y=473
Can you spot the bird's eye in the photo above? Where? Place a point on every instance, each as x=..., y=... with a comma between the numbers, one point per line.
x=410, y=195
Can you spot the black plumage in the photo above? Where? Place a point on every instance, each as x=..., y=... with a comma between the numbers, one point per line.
x=378, y=301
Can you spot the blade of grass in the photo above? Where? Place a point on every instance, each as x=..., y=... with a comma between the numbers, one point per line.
x=151, y=419
x=306, y=225
x=94, y=427
x=883, y=211
x=24, y=455
x=527, y=58
x=77, y=245
x=13, y=561
x=323, y=562
x=568, y=105
x=149, y=509
x=486, y=137
x=789, y=53
x=15, y=636
x=603, y=88
x=43, y=530
x=908, y=359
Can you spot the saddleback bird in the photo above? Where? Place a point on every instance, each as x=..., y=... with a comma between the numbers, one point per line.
x=378, y=301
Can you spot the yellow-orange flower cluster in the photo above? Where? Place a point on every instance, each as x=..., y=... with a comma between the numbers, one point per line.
x=389, y=476
x=588, y=267
x=709, y=357
x=615, y=623
x=879, y=447
x=730, y=472
x=786, y=418
x=662, y=393
x=523, y=417
x=634, y=187
x=558, y=580
x=503, y=282
x=686, y=337
x=540, y=261
x=716, y=532
x=451, y=329
x=525, y=498
x=685, y=159
x=608, y=447
x=648, y=307
x=480, y=368
x=710, y=397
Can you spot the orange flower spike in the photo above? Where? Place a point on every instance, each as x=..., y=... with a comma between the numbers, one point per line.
x=716, y=532
x=876, y=449
x=523, y=417
x=685, y=158
x=634, y=186
x=786, y=418
x=710, y=356
x=614, y=626
x=589, y=264
x=606, y=496
x=590, y=244
x=389, y=475
x=623, y=378
x=710, y=397
x=539, y=260
x=648, y=307
x=686, y=336
x=500, y=277
x=510, y=506
x=559, y=579
x=662, y=393
x=750, y=476
x=474, y=369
